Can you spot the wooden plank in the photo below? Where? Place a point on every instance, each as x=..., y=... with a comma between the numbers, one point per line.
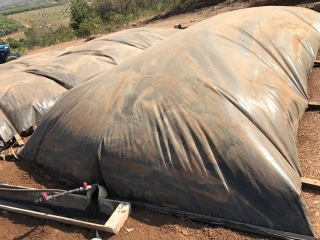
x=19, y=140
x=117, y=212
x=113, y=225
x=118, y=217
x=223, y=222
x=310, y=183
x=316, y=64
x=313, y=106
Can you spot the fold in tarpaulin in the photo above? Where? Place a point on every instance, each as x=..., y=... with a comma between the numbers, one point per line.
x=89, y=59
x=31, y=85
x=205, y=121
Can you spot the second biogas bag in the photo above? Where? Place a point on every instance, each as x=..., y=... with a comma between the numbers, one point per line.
x=204, y=121
x=31, y=85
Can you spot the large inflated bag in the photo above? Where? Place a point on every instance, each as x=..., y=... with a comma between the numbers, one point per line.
x=205, y=121
x=31, y=85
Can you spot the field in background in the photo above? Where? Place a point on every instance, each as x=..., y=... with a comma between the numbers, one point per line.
x=41, y=27
x=5, y=4
x=30, y=7
x=52, y=16
x=8, y=26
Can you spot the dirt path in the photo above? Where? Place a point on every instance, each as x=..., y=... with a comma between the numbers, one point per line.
x=145, y=224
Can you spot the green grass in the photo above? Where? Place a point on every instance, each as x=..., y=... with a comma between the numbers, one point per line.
x=16, y=45
x=8, y=26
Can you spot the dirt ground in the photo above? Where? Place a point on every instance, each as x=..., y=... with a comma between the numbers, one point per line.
x=150, y=225
x=145, y=224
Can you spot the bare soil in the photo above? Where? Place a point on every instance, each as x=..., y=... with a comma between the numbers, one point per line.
x=150, y=225
x=308, y=141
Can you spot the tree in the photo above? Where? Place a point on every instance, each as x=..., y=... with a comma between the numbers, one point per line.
x=108, y=9
x=84, y=21
x=44, y=34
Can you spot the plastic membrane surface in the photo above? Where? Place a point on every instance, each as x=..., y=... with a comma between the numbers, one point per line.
x=31, y=85
x=205, y=121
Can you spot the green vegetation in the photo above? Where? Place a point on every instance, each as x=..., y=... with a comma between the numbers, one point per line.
x=17, y=45
x=127, y=10
x=116, y=12
x=84, y=21
x=45, y=35
x=39, y=37
x=102, y=15
x=43, y=27
x=8, y=26
x=30, y=7
x=81, y=18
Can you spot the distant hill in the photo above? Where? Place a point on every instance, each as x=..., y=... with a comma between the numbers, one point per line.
x=6, y=4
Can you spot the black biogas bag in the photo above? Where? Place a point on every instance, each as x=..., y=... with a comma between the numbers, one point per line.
x=205, y=121
x=31, y=85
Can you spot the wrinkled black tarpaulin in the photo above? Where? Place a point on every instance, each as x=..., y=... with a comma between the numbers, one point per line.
x=205, y=121
x=28, y=92
x=89, y=59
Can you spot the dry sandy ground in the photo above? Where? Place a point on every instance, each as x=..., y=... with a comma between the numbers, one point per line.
x=145, y=224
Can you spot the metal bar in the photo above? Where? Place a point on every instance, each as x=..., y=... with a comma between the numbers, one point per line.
x=223, y=222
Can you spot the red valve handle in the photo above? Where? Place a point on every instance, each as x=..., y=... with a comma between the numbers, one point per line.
x=45, y=195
